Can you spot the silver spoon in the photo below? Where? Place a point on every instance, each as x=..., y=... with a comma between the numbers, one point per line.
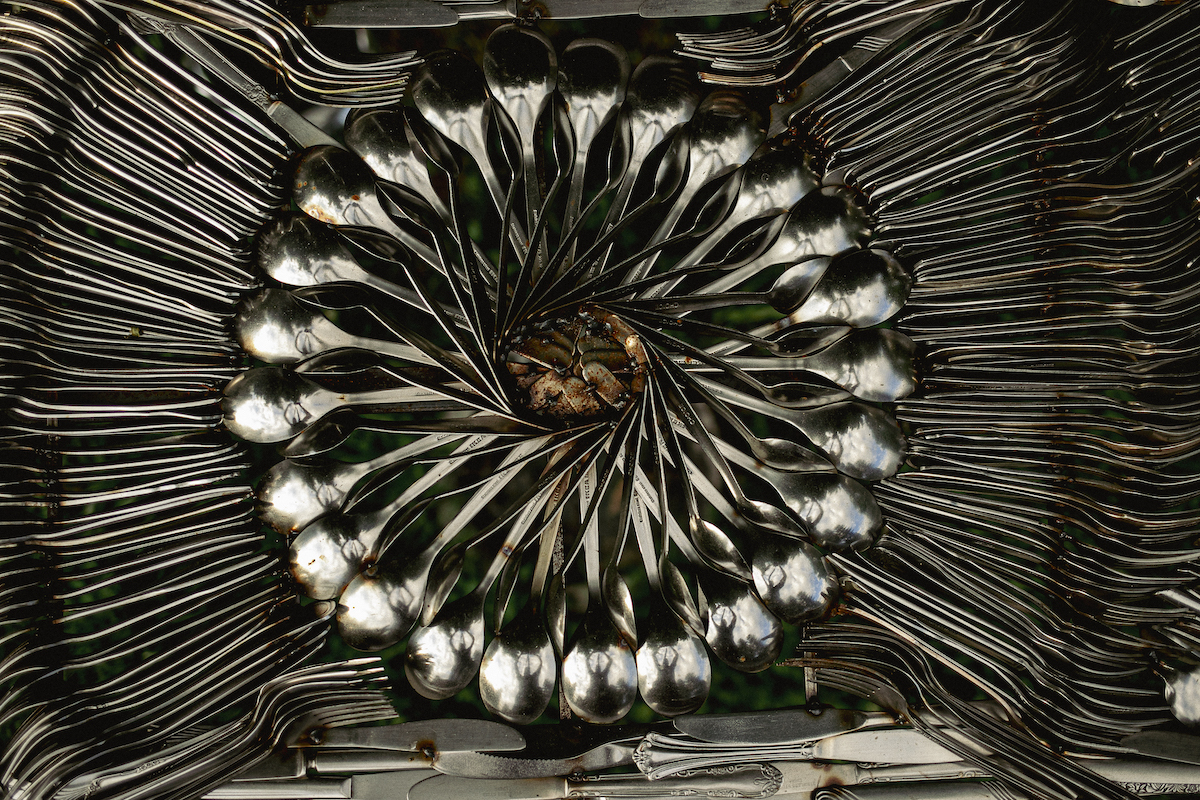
x=771, y=183
x=299, y=251
x=723, y=134
x=823, y=223
x=327, y=554
x=862, y=441
x=592, y=76
x=444, y=656
x=332, y=185
x=274, y=327
x=379, y=137
x=860, y=289
x=674, y=674
x=271, y=404
x=381, y=605
x=785, y=295
x=662, y=95
x=521, y=69
x=599, y=672
x=839, y=513
x=450, y=91
x=875, y=364
x=516, y=676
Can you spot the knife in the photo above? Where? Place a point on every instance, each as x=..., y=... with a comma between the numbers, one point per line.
x=486, y=765
x=1166, y=745
x=431, y=736
x=380, y=14
x=659, y=756
x=390, y=785
x=663, y=9
x=777, y=727
x=797, y=779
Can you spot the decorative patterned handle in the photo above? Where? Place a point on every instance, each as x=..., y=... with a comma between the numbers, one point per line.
x=737, y=781
x=661, y=756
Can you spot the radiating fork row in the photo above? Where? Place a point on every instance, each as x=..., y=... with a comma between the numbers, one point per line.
x=139, y=608
x=1049, y=508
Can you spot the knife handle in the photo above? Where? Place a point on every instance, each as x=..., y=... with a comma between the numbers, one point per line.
x=661, y=756
x=737, y=781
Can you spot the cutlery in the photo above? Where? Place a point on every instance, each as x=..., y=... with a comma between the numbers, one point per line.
x=660, y=756
x=440, y=735
x=797, y=780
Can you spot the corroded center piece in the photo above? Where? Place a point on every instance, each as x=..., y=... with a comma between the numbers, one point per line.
x=577, y=366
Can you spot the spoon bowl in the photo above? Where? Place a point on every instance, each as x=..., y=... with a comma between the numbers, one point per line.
x=599, y=672
x=741, y=631
x=381, y=604
x=674, y=673
x=443, y=657
x=792, y=578
x=516, y=676
x=861, y=289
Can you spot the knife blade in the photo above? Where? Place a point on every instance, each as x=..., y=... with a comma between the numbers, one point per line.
x=293, y=789
x=664, y=9
x=387, y=785
x=777, y=726
x=429, y=736
x=380, y=14
x=1166, y=745
x=487, y=765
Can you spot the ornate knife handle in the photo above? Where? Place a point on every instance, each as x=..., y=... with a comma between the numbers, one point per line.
x=738, y=781
x=659, y=756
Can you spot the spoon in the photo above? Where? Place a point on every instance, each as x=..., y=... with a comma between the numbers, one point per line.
x=674, y=674
x=337, y=426
x=521, y=70
x=274, y=327
x=599, y=672
x=662, y=95
x=861, y=289
x=381, y=605
x=333, y=185
x=787, y=394
x=327, y=554
x=291, y=494
x=271, y=404
x=592, y=76
x=741, y=631
x=791, y=576
x=874, y=364
x=379, y=136
x=785, y=295
x=444, y=656
x=770, y=184
x=516, y=676
x=450, y=91
x=839, y=512
x=723, y=134
x=822, y=223
x=781, y=454
x=862, y=441
x=299, y=251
